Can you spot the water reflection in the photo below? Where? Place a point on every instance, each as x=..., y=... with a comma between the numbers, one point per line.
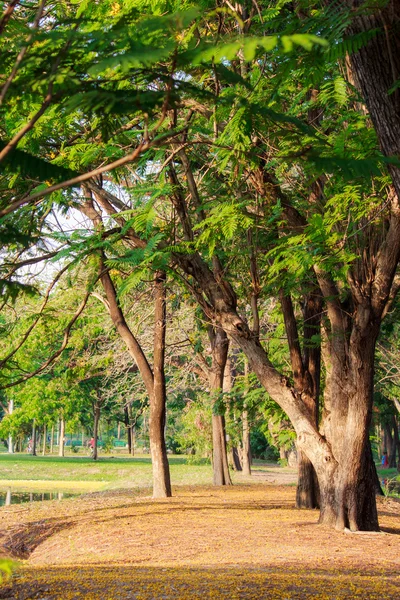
x=9, y=497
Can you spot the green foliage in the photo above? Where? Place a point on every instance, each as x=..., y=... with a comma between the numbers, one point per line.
x=7, y=568
x=256, y=114
x=195, y=438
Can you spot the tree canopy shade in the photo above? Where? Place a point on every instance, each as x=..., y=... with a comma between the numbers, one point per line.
x=230, y=147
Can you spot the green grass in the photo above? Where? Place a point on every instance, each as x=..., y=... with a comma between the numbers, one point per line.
x=109, y=472
x=81, y=473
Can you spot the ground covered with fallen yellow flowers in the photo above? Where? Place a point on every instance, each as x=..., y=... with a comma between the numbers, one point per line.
x=245, y=541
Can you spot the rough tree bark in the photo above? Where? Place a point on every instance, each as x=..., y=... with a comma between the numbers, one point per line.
x=246, y=450
x=219, y=354
x=159, y=459
x=154, y=382
x=376, y=67
x=306, y=376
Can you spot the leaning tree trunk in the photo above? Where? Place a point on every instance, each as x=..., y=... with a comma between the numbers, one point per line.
x=159, y=459
x=219, y=351
x=154, y=382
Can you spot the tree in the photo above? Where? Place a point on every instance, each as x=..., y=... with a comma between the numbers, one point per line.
x=229, y=126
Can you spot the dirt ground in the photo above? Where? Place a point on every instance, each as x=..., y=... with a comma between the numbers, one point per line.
x=245, y=541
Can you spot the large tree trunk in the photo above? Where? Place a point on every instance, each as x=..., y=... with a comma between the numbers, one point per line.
x=376, y=67
x=348, y=493
x=219, y=355
x=159, y=459
x=307, y=491
x=340, y=457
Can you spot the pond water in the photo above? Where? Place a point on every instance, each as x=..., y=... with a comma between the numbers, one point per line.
x=8, y=497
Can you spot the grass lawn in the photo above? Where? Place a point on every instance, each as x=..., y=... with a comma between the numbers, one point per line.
x=79, y=473
x=82, y=473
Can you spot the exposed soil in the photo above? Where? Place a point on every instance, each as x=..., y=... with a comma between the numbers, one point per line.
x=236, y=542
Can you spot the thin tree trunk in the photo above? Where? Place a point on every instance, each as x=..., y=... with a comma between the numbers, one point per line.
x=34, y=438
x=388, y=439
x=44, y=440
x=219, y=354
x=133, y=440
x=159, y=458
x=128, y=428
x=61, y=436
x=52, y=439
x=235, y=459
x=396, y=439
x=10, y=439
x=246, y=452
x=306, y=375
x=96, y=421
x=393, y=450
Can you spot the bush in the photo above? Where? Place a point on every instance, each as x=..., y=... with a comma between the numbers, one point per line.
x=108, y=445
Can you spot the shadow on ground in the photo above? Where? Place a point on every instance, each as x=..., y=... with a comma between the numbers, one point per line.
x=127, y=582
